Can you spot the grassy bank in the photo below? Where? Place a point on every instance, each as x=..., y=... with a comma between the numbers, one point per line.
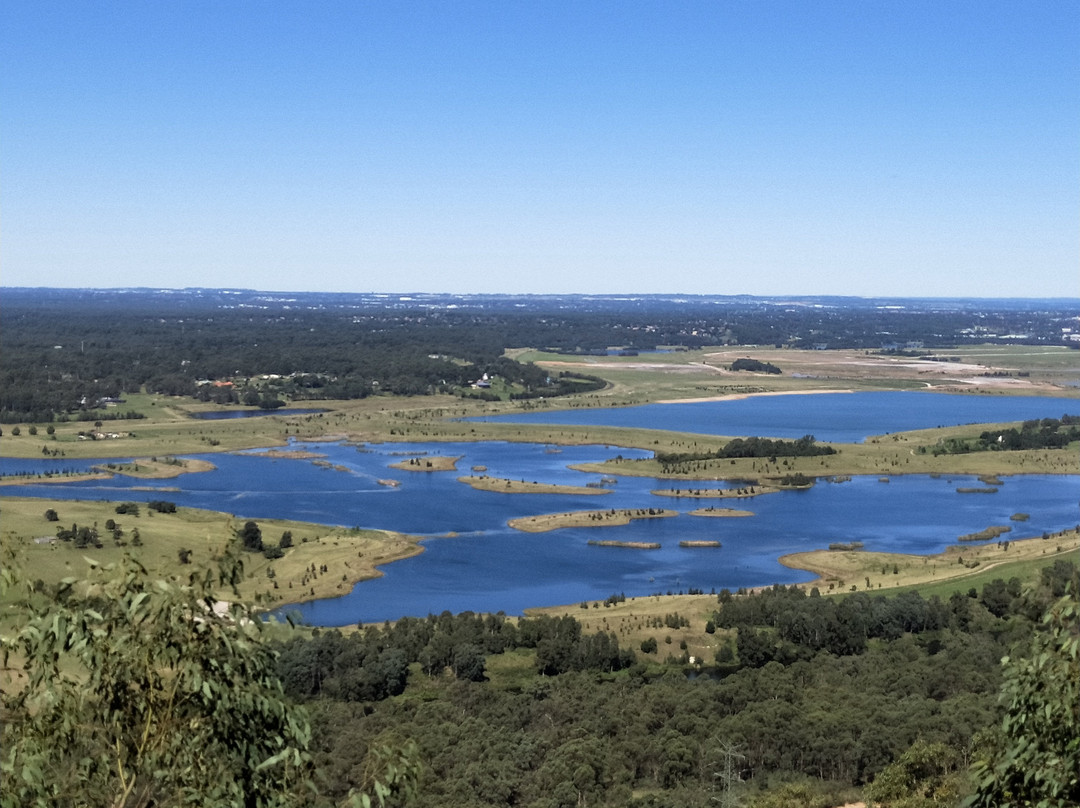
x=322, y=561
x=858, y=570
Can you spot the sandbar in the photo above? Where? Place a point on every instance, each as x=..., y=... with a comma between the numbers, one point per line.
x=632, y=545
x=739, y=396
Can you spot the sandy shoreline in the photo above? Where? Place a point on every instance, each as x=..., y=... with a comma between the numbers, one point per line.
x=740, y=396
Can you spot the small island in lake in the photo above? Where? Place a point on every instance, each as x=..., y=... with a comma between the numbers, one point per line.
x=714, y=511
x=613, y=517
x=715, y=493
x=505, y=486
x=430, y=463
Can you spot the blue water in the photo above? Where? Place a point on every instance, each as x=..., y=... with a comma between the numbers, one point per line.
x=840, y=417
x=226, y=415
x=473, y=561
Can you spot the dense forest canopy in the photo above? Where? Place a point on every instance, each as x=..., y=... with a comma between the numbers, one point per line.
x=65, y=350
x=835, y=693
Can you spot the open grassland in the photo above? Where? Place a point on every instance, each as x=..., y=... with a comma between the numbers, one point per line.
x=706, y=373
x=323, y=561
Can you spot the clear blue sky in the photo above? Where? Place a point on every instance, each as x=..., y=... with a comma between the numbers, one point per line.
x=900, y=147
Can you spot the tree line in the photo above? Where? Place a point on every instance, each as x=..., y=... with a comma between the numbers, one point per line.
x=372, y=664
x=1043, y=433
x=64, y=351
x=806, y=446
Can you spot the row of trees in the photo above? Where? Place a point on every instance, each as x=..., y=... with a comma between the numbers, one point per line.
x=1045, y=433
x=806, y=446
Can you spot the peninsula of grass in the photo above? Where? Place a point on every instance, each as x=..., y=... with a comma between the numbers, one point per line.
x=721, y=512
x=152, y=468
x=158, y=468
x=322, y=561
x=695, y=544
x=859, y=570
x=428, y=463
x=502, y=485
x=611, y=518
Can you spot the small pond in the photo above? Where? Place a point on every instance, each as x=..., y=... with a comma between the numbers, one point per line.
x=226, y=415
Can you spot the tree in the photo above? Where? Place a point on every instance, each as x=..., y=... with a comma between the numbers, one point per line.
x=51, y=515
x=1036, y=760
x=142, y=694
x=925, y=776
x=468, y=662
x=139, y=693
x=251, y=536
x=286, y=540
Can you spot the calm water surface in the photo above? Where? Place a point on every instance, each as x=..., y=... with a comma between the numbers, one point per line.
x=840, y=417
x=228, y=415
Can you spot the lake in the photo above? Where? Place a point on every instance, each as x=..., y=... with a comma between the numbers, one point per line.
x=487, y=566
x=840, y=417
